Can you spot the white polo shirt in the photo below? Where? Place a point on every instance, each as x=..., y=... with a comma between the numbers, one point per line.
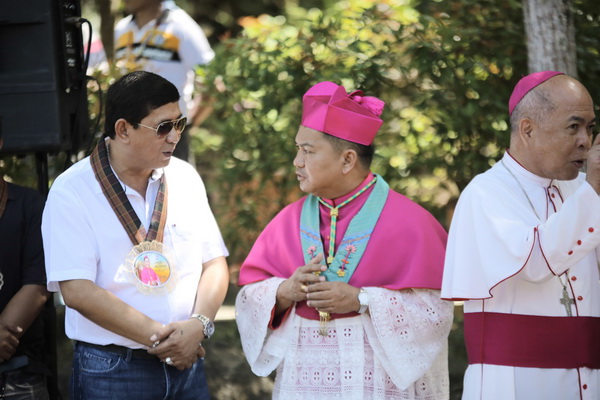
x=83, y=239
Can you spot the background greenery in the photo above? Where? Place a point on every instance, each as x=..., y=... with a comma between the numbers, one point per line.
x=445, y=69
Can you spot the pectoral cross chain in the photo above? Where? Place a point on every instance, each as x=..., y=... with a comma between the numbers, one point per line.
x=567, y=301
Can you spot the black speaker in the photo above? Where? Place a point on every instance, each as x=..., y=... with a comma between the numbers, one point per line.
x=43, y=99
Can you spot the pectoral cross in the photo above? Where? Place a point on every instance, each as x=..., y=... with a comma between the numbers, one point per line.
x=567, y=301
x=324, y=318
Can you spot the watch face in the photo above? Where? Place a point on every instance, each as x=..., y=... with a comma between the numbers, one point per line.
x=363, y=299
x=210, y=328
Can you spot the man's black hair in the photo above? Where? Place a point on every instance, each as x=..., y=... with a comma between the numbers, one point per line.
x=365, y=153
x=134, y=96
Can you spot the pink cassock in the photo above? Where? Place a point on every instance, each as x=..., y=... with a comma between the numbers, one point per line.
x=406, y=249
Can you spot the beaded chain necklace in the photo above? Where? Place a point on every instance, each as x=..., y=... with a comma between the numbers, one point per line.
x=334, y=212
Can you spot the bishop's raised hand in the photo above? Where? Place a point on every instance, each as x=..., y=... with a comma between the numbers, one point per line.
x=593, y=165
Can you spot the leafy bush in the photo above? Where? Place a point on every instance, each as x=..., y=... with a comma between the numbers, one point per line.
x=443, y=77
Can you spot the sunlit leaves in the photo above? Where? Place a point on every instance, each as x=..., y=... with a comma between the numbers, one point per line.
x=444, y=68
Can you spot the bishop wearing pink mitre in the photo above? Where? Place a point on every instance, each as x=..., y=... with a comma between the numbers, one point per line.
x=341, y=292
x=523, y=252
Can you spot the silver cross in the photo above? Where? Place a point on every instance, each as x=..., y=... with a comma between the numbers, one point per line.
x=567, y=301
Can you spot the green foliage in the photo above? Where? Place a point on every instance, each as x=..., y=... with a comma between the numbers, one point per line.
x=465, y=59
x=442, y=68
x=587, y=23
x=257, y=82
x=19, y=170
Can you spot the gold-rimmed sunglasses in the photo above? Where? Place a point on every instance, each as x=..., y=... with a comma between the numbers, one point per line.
x=164, y=128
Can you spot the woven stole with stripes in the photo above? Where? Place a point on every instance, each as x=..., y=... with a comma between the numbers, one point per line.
x=148, y=264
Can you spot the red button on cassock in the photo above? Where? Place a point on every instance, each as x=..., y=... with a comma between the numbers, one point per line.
x=579, y=242
x=579, y=298
x=573, y=278
x=570, y=252
x=584, y=387
x=591, y=229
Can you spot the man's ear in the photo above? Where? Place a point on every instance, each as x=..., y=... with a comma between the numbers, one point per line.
x=350, y=159
x=121, y=129
x=526, y=127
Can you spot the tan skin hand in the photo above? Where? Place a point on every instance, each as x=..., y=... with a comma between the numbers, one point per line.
x=8, y=342
x=18, y=315
x=333, y=297
x=593, y=165
x=294, y=288
x=181, y=342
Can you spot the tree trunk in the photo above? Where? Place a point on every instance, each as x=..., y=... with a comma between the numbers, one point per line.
x=550, y=36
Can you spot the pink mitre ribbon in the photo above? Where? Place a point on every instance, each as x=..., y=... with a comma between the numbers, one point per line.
x=526, y=84
x=327, y=107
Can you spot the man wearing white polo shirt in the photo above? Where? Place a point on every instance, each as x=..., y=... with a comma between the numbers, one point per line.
x=128, y=211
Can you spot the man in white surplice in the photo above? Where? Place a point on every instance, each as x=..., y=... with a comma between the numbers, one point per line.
x=522, y=252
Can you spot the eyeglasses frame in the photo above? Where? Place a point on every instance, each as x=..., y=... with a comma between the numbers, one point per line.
x=173, y=121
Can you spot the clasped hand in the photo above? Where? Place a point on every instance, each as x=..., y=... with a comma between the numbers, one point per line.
x=305, y=284
x=180, y=342
x=8, y=342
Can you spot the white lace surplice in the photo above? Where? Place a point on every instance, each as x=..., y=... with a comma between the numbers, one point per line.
x=396, y=351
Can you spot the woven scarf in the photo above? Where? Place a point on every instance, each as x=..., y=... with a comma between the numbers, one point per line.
x=356, y=238
x=114, y=193
x=3, y=195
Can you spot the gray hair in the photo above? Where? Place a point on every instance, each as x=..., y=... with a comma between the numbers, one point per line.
x=535, y=105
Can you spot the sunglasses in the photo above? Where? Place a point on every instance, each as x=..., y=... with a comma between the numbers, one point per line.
x=164, y=128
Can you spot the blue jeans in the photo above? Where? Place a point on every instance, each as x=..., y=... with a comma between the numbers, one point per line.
x=19, y=385
x=100, y=375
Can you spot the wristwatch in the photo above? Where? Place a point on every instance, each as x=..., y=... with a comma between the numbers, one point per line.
x=209, y=326
x=363, y=299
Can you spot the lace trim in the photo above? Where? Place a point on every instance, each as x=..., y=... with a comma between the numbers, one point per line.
x=359, y=357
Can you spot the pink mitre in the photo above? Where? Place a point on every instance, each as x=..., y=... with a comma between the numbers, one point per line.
x=526, y=84
x=328, y=108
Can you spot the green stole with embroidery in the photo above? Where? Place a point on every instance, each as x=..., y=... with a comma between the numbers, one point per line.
x=354, y=243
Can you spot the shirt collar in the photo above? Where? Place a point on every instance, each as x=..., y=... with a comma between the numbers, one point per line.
x=166, y=5
x=157, y=174
x=154, y=177
x=339, y=200
x=523, y=174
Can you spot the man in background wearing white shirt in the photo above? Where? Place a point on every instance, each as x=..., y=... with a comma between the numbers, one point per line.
x=162, y=38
